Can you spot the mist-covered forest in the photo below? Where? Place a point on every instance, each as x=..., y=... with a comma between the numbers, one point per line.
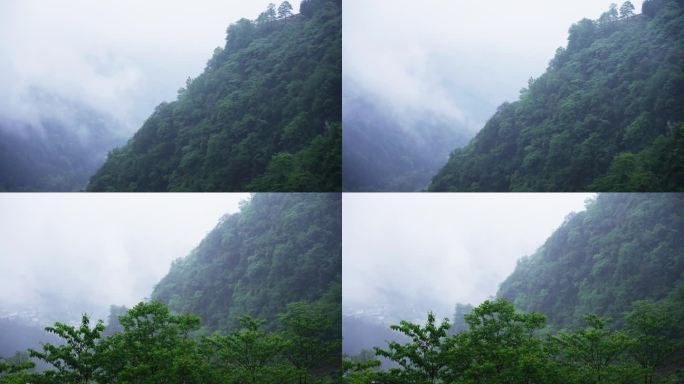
x=599, y=302
x=57, y=152
x=606, y=115
x=265, y=115
x=384, y=153
x=257, y=301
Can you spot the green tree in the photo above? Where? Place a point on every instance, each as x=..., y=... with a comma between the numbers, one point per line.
x=424, y=359
x=17, y=369
x=268, y=16
x=650, y=327
x=610, y=15
x=312, y=340
x=594, y=349
x=76, y=360
x=284, y=10
x=250, y=354
x=626, y=10
x=360, y=371
x=154, y=347
x=500, y=344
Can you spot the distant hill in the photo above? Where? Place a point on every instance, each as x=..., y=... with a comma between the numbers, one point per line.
x=623, y=248
x=265, y=115
x=608, y=114
x=384, y=153
x=59, y=150
x=279, y=249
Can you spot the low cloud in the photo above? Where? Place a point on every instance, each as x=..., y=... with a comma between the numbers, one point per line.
x=64, y=254
x=119, y=58
x=418, y=252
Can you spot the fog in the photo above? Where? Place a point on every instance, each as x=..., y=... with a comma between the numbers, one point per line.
x=456, y=59
x=405, y=254
x=118, y=57
x=65, y=254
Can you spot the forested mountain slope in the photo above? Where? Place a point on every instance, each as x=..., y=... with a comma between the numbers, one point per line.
x=264, y=115
x=383, y=153
x=623, y=248
x=608, y=114
x=279, y=249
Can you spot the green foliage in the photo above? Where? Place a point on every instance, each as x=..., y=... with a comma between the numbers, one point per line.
x=153, y=347
x=424, y=358
x=607, y=115
x=594, y=350
x=76, y=360
x=651, y=327
x=16, y=370
x=500, y=346
x=314, y=339
x=624, y=247
x=264, y=115
x=157, y=346
x=250, y=353
x=279, y=249
x=504, y=346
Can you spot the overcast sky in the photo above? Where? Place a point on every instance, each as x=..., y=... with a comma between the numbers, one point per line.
x=458, y=58
x=84, y=252
x=119, y=56
x=427, y=250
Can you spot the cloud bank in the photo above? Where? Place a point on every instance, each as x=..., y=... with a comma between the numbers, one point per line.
x=65, y=254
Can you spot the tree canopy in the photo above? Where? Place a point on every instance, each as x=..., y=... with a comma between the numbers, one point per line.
x=265, y=115
x=606, y=116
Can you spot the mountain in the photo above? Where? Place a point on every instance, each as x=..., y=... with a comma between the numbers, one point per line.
x=606, y=115
x=58, y=150
x=279, y=249
x=623, y=248
x=384, y=153
x=264, y=115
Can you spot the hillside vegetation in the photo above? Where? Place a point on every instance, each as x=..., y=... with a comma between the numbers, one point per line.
x=279, y=249
x=607, y=114
x=264, y=115
x=623, y=248
x=258, y=301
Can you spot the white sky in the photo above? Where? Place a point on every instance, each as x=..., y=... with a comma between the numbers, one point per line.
x=120, y=56
x=455, y=57
x=88, y=251
x=440, y=249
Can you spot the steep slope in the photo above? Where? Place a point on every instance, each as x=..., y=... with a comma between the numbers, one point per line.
x=264, y=115
x=279, y=249
x=608, y=114
x=623, y=248
x=57, y=151
x=383, y=153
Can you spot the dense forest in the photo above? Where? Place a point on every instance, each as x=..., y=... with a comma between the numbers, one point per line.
x=622, y=248
x=54, y=154
x=278, y=249
x=606, y=116
x=257, y=301
x=602, y=301
x=382, y=152
x=265, y=115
